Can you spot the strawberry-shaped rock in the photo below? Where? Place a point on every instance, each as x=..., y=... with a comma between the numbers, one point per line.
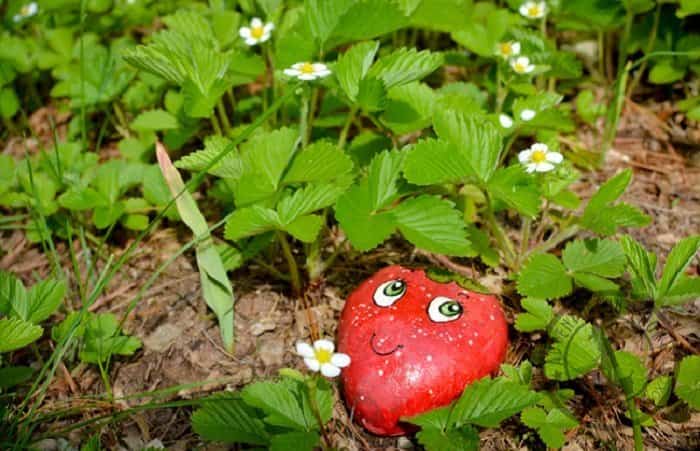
x=415, y=343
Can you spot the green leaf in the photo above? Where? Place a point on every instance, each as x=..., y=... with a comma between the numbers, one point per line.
x=433, y=419
x=409, y=107
x=280, y=403
x=155, y=120
x=544, y=276
x=688, y=381
x=405, y=66
x=432, y=162
x=685, y=289
x=433, y=224
x=216, y=287
x=9, y=102
x=539, y=315
x=364, y=226
x=604, y=258
x=514, y=187
x=249, y=221
x=678, y=260
x=629, y=373
x=371, y=96
x=549, y=426
x=230, y=166
x=268, y=154
x=484, y=32
x=595, y=283
x=659, y=390
x=226, y=418
x=43, y=299
x=602, y=217
x=368, y=19
x=307, y=200
x=353, y=65
x=642, y=264
x=103, y=339
x=14, y=375
x=465, y=438
x=321, y=161
x=81, y=199
x=11, y=291
x=665, y=72
x=487, y=402
x=16, y=333
x=575, y=351
x=323, y=17
x=301, y=441
x=305, y=228
x=477, y=139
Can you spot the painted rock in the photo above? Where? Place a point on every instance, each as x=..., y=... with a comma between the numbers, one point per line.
x=415, y=341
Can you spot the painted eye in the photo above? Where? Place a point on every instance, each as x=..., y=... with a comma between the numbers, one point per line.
x=389, y=292
x=442, y=309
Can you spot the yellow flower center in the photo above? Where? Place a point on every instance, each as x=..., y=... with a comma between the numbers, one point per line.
x=533, y=11
x=506, y=49
x=307, y=68
x=25, y=11
x=538, y=156
x=519, y=67
x=323, y=355
x=257, y=32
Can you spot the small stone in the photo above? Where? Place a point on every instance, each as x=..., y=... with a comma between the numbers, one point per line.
x=162, y=337
x=404, y=443
x=260, y=327
x=271, y=352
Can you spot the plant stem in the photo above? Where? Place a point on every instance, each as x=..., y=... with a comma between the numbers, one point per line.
x=215, y=124
x=346, y=128
x=223, y=116
x=295, y=278
x=311, y=387
x=649, y=48
x=504, y=243
x=601, y=55
x=304, y=118
x=555, y=240
x=525, y=239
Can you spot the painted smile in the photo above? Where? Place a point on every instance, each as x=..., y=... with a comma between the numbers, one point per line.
x=371, y=344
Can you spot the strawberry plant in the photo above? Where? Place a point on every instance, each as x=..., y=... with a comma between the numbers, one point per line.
x=302, y=144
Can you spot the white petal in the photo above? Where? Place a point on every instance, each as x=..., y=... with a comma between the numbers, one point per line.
x=264, y=37
x=530, y=168
x=307, y=77
x=268, y=27
x=312, y=364
x=527, y=115
x=324, y=344
x=529, y=69
x=292, y=72
x=251, y=41
x=244, y=32
x=33, y=8
x=256, y=22
x=16, y=18
x=542, y=147
x=319, y=67
x=524, y=8
x=329, y=370
x=544, y=167
x=323, y=73
x=524, y=156
x=554, y=157
x=298, y=66
x=505, y=120
x=340, y=360
x=305, y=349
x=515, y=47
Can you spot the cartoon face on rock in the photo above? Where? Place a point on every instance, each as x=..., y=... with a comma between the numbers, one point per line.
x=414, y=344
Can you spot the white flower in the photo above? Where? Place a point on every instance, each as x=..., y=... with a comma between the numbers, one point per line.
x=522, y=65
x=527, y=115
x=257, y=32
x=533, y=10
x=321, y=357
x=505, y=120
x=308, y=71
x=538, y=158
x=508, y=49
x=26, y=11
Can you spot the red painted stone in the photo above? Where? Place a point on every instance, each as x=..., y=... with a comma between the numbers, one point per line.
x=414, y=345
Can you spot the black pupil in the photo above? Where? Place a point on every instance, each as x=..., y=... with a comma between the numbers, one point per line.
x=450, y=308
x=394, y=288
